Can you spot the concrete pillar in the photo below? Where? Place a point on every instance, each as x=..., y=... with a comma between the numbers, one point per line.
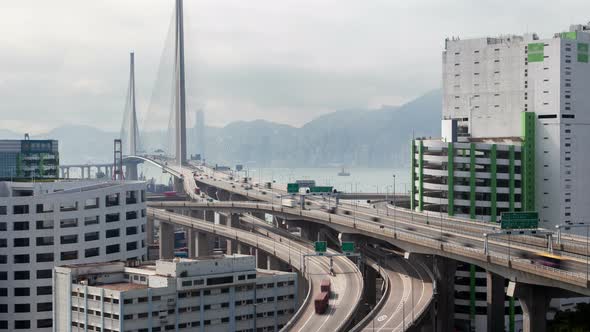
x=534, y=301
x=261, y=259
x=234, y=220
x=132, y=173
x=210, y=216
x=149, y=231
x=370, y=285
x=244, y=249
x=166, y=240
x=178, y=185
x=444, y=272
x=274, y=263
x=82, y=170
x=495, y=302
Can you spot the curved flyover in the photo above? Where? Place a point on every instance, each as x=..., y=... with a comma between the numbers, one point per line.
x=347, y=281
x=427, y=240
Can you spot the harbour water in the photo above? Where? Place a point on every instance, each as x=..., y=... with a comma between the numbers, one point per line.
x=360, y=179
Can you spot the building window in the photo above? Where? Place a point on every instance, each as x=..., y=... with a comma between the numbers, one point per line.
x=44, y=306
x=22, y=324
x=22, y=275
x=67, y=207
x=112, y=200
x=44, y=224
x=114, y=248
x=92, y=236
x=112, y=217
x=130, y=215
x=45, y=257
x=22, y=307
x=44, y=274
x=68, y=223
x=68, y=255
x=91, y=220
x=21, y=226
x=131, y=246
x=44, y=241
x=131, y=230
x=91, y=203
x=91, y=252
x=21, y=242
x=69, y=239
x=44, y=323
x=22, y=291
x=109, y=233
x=44, y=290
x=20, y=209
x=21, y=259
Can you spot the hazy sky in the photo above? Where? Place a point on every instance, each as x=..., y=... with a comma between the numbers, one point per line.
x=66, y=61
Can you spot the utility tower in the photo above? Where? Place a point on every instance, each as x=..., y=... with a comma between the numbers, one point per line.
x=180, y=91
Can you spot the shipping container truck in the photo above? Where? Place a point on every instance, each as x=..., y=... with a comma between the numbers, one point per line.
x=288, y=202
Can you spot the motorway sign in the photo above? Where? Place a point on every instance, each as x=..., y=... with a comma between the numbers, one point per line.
x=292, y=188
x=347, y=246
x=519, y=220
x=321, y=189
x=321, y=246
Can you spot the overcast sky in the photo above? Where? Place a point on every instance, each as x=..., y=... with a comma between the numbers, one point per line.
x=66, y=61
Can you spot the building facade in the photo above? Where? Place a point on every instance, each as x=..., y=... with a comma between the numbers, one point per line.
x=216, y=293
x=43, y=225
x=534, y=89
x=29, y=159
x=514, y=121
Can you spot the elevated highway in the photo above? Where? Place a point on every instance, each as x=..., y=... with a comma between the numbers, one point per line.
x=421, y=239
x=347, y=281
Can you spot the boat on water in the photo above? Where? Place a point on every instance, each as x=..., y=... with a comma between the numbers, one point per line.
x=343, y=172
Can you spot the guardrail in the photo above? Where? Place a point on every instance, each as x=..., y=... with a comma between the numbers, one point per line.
x=371, y=315
x=371, y=228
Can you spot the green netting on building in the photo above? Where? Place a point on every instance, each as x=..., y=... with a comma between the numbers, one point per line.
x=536, y=52
x=569, y=35
x=583, y=52
x=528, y=161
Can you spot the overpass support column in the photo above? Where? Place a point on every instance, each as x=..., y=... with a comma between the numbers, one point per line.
x=370, y=285
x=261, y=259
x=495, y=302
x=166, y=240
x=444, y=273
x=199, y=243
x=132, y=171
x=178, y=185
x=149, y=231
x=534, y=301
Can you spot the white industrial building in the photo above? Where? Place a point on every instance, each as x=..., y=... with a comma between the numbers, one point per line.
x=43, y=225
x=215, y=293
x=515, y=119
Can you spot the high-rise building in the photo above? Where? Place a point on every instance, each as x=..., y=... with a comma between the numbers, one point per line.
x=215, y=293
x=43, y=225
x=29, y=159
x=515, y=120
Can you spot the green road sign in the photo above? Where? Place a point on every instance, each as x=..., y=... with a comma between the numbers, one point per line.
x=347, y=246
x=321, y=189
x=292, y=188
x=519, y=220
x=321, y=246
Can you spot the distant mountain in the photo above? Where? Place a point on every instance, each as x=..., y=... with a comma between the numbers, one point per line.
x=369, y=138
x=353, y=137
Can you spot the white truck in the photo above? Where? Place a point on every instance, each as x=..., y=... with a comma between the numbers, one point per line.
x=288, y=202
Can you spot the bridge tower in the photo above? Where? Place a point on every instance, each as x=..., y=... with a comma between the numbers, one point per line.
x=180, y=91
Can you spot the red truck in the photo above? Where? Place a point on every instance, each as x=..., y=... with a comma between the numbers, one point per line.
x=170, y=194
x=321, y=302
x=325, y=286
